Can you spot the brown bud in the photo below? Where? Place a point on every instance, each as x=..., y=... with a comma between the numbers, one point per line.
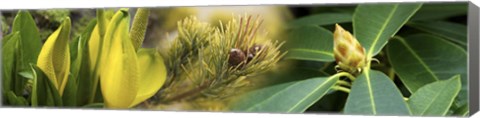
x=236, y=57
x=348, y=53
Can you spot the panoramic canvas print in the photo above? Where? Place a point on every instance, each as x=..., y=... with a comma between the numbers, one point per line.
x=356, y=59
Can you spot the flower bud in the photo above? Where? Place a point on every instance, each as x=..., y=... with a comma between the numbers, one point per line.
x=348, y=53
x=236, y=57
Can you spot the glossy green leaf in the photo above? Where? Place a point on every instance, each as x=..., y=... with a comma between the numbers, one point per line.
x=44, y=92
x=435, y=99
x=81, y=66
x=437, y=11
x=79, y=49
x=31, y=42
x=290, y=97
x=452, y=31
x=421, y=59
x=322, y=19
x=373, y=93
x=374, y=24
x=8, y=62
x=310, y=43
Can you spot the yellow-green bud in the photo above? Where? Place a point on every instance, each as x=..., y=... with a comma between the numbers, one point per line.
x=348, y=53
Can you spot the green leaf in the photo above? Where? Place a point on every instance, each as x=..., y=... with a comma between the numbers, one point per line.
x=81, y=67
x=44, y=92
x=290, y=97
x=6, y=38
x=8, y=62
x=311, y=43
x=421, y=59
x=437, y=11
x=31, y=42
x=374, y=24
x=322, y=19
x=69, y=96
x=80, y=48
x=462, y=111
x=373, y=93
x=435, y=99
x=452, y=31
x=15, y=100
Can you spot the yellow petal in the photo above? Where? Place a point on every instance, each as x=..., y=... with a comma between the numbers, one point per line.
x=152, y=74
x=119, y=71
x=54, y=58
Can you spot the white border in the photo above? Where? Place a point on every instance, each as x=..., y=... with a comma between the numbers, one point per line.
x=80, y=113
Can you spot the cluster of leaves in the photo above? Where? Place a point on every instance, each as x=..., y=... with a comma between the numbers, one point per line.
x=422, y=68
x=64, y=72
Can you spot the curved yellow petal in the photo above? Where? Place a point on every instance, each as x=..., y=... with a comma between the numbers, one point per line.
x=54, y=58
x=152, y=74
x=119, y=71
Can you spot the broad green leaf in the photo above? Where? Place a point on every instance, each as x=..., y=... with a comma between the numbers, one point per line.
x=452, y=31
x=6, y=38
x=421, y=59
x=435, y=99
x=44, y=92
x=8, y=62
x=437, y=11
x=153, y=74
x=322, y=19
x=139, y=27
x=54, y=58
x=79, y=48
x=310, y=43
x=373, y=93
x=290, y=97
x=31, y=42
x=119, y=72
x=81, y=67
x=374, y=24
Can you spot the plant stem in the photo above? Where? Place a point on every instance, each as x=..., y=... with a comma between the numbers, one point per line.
x=350, y=76
x=341, y=82
x=391, y=74
x=340, y=88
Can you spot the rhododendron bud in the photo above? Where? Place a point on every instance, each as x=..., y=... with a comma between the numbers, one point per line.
x=348, y=53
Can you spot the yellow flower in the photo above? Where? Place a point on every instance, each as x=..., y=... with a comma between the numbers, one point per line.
x=348, y=53
x=127, y=76
x=54, y=58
